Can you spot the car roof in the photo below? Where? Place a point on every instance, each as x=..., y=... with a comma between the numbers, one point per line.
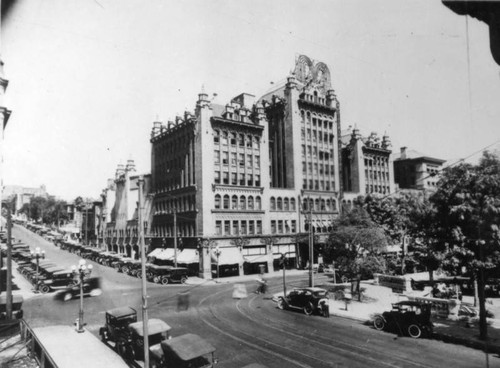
x=187, y=347
x=410, y=302
x=312, y=289
x=121, y=311
x=155, y=326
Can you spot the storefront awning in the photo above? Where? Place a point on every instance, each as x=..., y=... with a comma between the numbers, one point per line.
x=163, y=254
x=256, y=258
x=228, y=256
x=188, y=256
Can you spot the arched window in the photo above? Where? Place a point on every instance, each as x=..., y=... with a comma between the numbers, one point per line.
x=216, y=136
x=249, y=141
x=279, y=206
x=292, y=204
x=316, y=204
x=305, y=205
x=250, y=203
x=243, y=203
x=241, y=140
x=286, y=204
x=234, y=202
x=323, y=205
x=334, y=205
x=328, y=205
x=224, y=137
x=258, y=204
x=273, y=204
x=226, y=201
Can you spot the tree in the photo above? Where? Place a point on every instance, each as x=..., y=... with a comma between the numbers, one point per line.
x=468, y=214
x=355, y=236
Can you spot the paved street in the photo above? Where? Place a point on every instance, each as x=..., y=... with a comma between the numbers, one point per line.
x=248, y=330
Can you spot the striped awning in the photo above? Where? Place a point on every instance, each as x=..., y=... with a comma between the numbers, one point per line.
x=228, y=256
x=188, y=256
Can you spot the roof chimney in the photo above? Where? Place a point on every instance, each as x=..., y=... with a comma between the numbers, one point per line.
x=403, y=152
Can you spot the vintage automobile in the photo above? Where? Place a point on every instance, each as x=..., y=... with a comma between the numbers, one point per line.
x=131, y=344
x=56, y=280
x=91, y=287
x=17, y=303
x=308, y=300
x=117, y=321
x=166, y=274
x=185, y=351
x=406, y=317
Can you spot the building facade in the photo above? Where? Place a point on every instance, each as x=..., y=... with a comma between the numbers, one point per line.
x=239, y=185
x=415, y=170
x=367, y=165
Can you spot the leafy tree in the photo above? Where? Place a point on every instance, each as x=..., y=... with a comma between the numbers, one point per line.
x=355, y=237
x=468, y=213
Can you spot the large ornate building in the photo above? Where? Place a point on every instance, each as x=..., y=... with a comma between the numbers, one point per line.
x=241, y=184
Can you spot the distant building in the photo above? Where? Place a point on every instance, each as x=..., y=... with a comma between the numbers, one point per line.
x=415, y=170
x=367, y=166
x=240, y=184
x=23, y=195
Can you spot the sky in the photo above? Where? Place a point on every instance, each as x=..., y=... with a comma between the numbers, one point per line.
x=87, y=78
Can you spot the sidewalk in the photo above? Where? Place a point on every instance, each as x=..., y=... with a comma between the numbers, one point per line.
x=377, y=299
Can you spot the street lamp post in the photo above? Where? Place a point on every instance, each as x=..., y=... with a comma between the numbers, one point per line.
x=217, y=254
x=37, y=254
x=81, y=272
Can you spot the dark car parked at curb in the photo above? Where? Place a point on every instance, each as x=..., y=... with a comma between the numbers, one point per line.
x=117, y=321
x=308, y=300
x=60, y=279
x=166, y=274
x=131, y=345
x=406, y=318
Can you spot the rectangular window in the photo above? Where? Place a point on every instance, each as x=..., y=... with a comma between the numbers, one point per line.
x=273, y=227
x=225, y=177
x=257, y=180
x=233, y=158
x=249, y=160
x=217, y=177
x=294, y=226
x=243, y=229
x=251, y=227
x=233, y=139
x=249, y=180
x=256, y=160
x=242, y=179
x=241, y=159
x=233, y=179
x=259, y=227
x=225, y=158
x=304, y=184
x=227, y=227
x=218, y=227
x=280, y=227
x=216, y=136
x=216, y=156
x=249, y=141
x=235, y=227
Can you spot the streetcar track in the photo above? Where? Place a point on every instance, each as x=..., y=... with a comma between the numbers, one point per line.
x=325, y=341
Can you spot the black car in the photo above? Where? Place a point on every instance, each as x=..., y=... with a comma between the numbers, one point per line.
x=91, y=287
x=166, y=274
x=117, y=322
x=406, y=317
x=307, y=299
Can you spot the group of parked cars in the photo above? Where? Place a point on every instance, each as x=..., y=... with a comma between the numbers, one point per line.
x=155, y=272
x=123, y=332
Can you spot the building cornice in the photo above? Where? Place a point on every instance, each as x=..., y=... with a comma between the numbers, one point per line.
x=227, y=122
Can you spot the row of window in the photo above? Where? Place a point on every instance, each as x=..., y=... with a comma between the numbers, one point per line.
x=236, y=139
x=283, y=226
x=377, y=161
x=315, y=169
x=315, y=121
x=314, y=152
x=237, y=159
x=383, y=189
x=282, y=204
x=238, y=203
x=313, y=135
x=183, y=229
x=243, y=227
x=182, y=204
x=323, y=205
x=233, y=178
x=318, y=184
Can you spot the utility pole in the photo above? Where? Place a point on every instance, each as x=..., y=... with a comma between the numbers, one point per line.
x=175, y=237
x=9, y=264
x=311, y=250
x=143, y=274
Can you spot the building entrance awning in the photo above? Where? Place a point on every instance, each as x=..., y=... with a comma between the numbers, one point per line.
x=228, y=256
x=188, y=256
x=163, y=254
x=256, y=258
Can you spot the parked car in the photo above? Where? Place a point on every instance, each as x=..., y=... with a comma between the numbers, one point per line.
x=185, y=351
x=406, y=318
x=166, y=274
x=117, y=321
x=131, y=344
x=305, y=299
x=91, y=287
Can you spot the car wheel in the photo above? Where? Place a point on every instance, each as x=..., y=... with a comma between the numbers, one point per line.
x=44, y=289
x=164, y=280
x=414, y=331
x=67, y=297
x=308, y=309
x=379, y=323
x=183, y=279
x=125, y=269
x=157, y=279
x=281, y=304
x=123, y=349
